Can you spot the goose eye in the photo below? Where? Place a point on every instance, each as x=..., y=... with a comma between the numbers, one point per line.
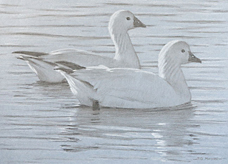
x=128, y=18
x=183, y=51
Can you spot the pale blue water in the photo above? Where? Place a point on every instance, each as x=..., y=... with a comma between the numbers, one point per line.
x=42, y=123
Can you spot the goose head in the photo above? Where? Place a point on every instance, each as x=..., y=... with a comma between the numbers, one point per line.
x=122, y=21
x=178, y=53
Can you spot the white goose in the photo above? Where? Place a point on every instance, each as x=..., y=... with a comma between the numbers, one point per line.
x=120, y=22
x=134, y=88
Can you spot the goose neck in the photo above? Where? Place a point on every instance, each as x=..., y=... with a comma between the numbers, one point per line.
x=125, y=52
x=172, y=73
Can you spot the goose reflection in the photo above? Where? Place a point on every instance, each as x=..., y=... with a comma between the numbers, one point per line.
x=162, y=131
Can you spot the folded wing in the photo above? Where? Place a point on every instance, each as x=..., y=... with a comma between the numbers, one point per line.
x=126, y=88
x=79, y=57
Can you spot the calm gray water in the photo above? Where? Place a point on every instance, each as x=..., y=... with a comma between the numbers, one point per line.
x=42, y=123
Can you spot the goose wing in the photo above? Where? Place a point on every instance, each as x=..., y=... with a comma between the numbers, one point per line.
x=126, y=87
x=79, y=57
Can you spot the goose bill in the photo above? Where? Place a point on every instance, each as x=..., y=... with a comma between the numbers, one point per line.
x=138, y=23
x=193, y=58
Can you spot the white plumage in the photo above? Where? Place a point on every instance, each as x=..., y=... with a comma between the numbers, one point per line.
x=43, y=64
x=134, y=88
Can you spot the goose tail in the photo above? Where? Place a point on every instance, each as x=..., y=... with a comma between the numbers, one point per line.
x=30, y=53
x=44, y=70
x=83, y=91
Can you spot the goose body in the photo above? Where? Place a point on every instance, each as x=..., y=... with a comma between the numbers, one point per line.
x=43, y=64
x=134, y=88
